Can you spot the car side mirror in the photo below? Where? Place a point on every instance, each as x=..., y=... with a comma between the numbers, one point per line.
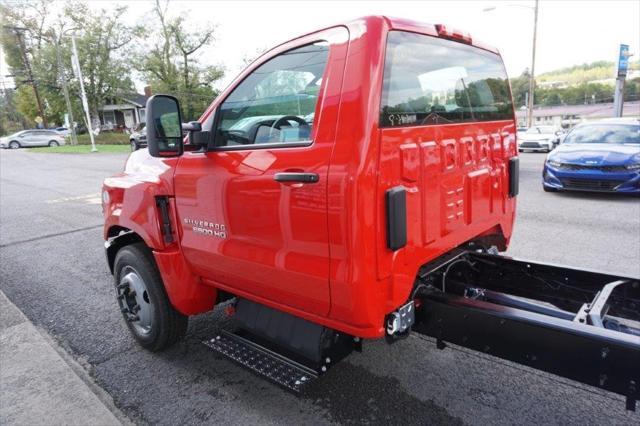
x=164, y=126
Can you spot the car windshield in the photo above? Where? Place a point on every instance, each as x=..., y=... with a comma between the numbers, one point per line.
x=605, y=133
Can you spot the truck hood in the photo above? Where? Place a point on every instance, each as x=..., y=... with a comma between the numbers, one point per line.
x=596, y=154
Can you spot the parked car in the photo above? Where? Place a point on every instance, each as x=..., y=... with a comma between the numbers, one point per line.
x=63, y=131
x=601, y=156
x=29, y=138
x=138, y=138
x=539, y=138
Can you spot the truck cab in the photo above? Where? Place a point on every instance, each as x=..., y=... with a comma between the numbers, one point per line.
x=318, y=193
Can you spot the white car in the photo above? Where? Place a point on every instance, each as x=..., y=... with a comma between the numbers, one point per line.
x=35, y=137
x=539, y=138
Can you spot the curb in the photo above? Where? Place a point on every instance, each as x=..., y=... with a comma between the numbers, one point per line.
x=40, y=383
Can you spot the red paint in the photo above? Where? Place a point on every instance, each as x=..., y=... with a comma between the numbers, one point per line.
x=319, y=250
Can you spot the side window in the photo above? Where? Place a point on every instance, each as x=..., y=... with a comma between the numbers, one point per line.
x=430, y=81
x=276, y=103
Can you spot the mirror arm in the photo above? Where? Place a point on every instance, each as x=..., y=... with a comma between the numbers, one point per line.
x=192, y=126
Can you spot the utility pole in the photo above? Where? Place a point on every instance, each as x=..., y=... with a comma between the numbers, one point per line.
x=533, y=66
x=618, y=94
x=533, y=55
x=65, y=89
x=23, y=49
x=76, y=68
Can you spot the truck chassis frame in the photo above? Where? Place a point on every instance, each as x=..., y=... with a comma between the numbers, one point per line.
x=578, y=324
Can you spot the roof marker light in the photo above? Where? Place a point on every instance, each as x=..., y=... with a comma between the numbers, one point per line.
x=453, y=34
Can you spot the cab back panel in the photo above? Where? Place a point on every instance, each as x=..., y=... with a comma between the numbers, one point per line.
x=455, y=177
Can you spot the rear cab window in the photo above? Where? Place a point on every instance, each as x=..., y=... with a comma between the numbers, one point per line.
x=434, y=81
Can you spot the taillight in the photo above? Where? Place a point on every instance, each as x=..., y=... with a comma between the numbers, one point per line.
x=453, y=34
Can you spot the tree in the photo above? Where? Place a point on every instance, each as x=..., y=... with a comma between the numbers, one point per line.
x=519, y=88
x=102, y=40
x=171, y=64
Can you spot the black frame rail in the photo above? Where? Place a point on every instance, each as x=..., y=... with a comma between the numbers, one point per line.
x=577, y=324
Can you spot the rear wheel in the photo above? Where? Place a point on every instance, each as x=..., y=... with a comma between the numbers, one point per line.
x=14, y=145
x=143, y=301
x=53, y=143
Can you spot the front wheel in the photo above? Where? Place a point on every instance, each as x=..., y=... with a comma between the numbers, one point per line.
x=53, y=143
x=134, y=146
x=143, y=301
x=14, y=145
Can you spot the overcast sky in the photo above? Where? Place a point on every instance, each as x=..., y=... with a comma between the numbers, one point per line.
x=569, y=32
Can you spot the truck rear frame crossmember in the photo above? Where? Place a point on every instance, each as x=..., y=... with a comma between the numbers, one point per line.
x=577, y=324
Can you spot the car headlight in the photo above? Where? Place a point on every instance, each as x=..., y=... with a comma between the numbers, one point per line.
x=554, y=163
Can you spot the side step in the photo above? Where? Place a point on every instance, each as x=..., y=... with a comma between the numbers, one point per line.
x=262, y=361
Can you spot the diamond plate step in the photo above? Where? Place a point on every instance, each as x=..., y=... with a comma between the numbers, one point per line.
x=265, y=362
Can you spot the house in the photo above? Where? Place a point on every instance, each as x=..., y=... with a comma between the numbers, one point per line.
x=125, y=111
x=567, y=116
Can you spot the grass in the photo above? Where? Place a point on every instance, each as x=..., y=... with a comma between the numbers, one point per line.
x=82, y=149
x=109, y=142
x=109, y=138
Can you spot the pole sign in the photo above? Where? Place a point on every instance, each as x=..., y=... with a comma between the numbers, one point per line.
x=623, y=60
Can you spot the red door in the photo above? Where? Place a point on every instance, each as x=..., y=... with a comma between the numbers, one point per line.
x=253, y=210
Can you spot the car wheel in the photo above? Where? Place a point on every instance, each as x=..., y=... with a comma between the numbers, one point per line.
x=134, y=146
x=14, y=145
x=143, y=301
x=53, y=143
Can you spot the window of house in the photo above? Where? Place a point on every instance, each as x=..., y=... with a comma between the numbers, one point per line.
x=276, y=103
x=142, y=112
x=429, y=81
x=108, y=117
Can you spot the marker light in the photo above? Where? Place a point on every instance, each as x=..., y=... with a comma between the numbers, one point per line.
x=453, y=34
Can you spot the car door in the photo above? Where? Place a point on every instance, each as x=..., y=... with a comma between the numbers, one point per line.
x=33, y=138
x=253, y=209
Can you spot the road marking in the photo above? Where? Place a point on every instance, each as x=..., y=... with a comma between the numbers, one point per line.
x=44, y=237
x=93, y=198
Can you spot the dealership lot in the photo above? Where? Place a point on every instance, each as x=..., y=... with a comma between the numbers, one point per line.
x=52, y=267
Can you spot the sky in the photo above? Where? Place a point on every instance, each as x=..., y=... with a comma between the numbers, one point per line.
x=569, y=32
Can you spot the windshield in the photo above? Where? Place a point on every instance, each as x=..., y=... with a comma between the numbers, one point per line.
x=605, y=133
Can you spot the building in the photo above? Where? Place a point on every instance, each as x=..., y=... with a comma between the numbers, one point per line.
x=124, y=112
x=567, y=116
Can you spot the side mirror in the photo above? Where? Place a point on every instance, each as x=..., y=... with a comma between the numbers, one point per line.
x=164, y=126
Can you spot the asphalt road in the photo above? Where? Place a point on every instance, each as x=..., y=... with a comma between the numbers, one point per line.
x=53, y=268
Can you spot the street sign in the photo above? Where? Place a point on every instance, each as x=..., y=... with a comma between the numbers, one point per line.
x=623, y=60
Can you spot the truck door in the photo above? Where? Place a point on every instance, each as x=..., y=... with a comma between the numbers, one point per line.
x=253, y=209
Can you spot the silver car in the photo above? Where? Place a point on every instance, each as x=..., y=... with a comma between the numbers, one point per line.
x=34, y=137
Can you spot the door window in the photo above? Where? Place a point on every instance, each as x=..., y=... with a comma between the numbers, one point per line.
x=276, y=103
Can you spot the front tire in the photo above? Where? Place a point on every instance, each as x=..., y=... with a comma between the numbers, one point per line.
x=134, y=146
x=143, y=301
x=14, y=145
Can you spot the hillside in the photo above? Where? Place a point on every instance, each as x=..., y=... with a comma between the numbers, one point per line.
x=583, y=73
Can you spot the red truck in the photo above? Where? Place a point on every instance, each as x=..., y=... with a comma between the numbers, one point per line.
x=357, y=182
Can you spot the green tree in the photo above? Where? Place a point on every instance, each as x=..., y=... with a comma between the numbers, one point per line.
x=170, y=64
x=102, y=40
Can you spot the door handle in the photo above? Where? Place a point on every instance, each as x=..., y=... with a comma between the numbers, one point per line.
x=296, y=177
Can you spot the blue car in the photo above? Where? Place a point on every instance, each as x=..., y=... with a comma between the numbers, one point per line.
x=602, y=156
